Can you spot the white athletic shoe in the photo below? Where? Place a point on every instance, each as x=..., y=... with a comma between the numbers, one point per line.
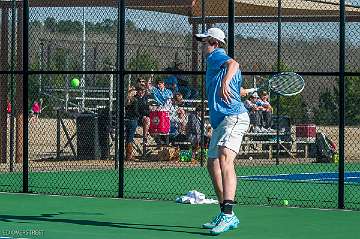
x=214, y=222
x=226, y=223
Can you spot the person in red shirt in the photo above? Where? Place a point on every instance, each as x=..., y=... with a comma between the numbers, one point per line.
x=8, y=106
x=35, y=110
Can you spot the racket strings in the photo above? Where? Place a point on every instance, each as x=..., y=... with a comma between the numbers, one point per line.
x=287, y=84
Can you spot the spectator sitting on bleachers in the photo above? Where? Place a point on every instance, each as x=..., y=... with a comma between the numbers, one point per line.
x=171, y=82
x=255, y=112
x=266, y=112
x=141, y=82
x=193, y=130
x=161, y=95
x=178, y=82
x=192, y=88
x=178, y=121
x=184, y=88
x=144, y=84
x=178, y=100
x=137, y=113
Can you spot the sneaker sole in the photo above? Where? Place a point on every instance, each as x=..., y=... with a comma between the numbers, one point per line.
x=207, y=227
x=230, y=228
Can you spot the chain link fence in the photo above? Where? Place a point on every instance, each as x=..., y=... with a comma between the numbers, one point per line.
x=82, y=85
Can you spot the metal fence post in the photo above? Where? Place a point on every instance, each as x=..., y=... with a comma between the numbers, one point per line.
x=231, y=29
x=341, y=105
x=119, y=94
x=25, y=71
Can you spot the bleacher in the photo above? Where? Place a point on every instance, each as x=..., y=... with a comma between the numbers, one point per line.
x=253, y=143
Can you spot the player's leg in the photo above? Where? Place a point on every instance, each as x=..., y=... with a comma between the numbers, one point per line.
x=226, y=161
x=216, y=178
x=214, y=170
x=228, y=220
x=233, y=128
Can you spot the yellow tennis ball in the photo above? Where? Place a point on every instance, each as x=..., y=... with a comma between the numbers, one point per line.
x=285, y=202
x=75, y=82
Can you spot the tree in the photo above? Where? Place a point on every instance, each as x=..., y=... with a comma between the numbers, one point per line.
x=68, y=26
x=328, y=109
x=292, y=106
x=352, y=100
x=143, y=61
x=33, y=85
x=50, y=24
x=108, y=25
x=130, y=25
x=36, y=24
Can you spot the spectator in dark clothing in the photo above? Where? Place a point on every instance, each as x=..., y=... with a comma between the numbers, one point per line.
x=184, y=87
x=193, y=130
x=178, y=100
x=266, y=111
x=181, y=83
x=137, y=113
x=194, y=127
x=255, y=112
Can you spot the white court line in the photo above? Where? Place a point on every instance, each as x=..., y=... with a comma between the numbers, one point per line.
x=271, y=177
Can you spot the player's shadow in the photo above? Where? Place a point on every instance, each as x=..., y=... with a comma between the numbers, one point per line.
x=137, y=226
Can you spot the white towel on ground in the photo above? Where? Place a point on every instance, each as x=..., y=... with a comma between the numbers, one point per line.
x=195, y=197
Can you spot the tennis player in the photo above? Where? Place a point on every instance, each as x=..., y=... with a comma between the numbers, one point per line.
x=229, y=120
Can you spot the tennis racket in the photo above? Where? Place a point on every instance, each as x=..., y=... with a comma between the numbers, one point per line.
x=285, y=83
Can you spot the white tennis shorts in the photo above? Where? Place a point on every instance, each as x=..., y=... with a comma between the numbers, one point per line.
x=229, y=134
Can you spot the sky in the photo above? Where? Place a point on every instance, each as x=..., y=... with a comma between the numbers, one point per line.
x=355, y=2
x=176, y=23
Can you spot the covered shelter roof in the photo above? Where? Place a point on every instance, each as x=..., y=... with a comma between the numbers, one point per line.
x=193, y=8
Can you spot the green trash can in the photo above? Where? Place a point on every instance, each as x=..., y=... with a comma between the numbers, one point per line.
x=87, y=137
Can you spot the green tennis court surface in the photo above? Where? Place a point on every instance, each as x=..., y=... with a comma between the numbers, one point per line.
x=40, y=216
x=269, y=186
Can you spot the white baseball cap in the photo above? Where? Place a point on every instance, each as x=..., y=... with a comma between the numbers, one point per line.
x=214, y=33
